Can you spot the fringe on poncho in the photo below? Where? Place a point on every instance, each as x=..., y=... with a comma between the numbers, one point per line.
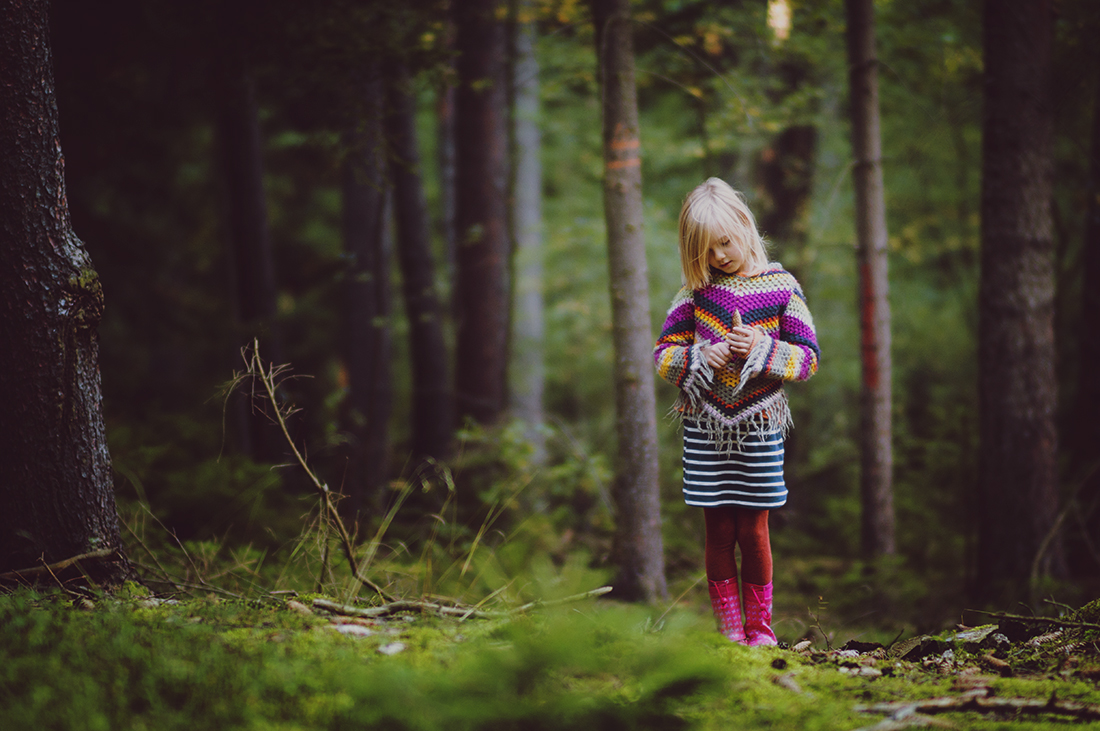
x=747, y=395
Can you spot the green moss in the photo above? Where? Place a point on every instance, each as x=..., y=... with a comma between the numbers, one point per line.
x=250, y=665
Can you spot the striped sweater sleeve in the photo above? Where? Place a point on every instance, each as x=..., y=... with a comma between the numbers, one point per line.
x=793, y=355
x=677, y=354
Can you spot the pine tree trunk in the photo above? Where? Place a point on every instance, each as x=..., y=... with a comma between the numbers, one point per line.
x=433, y=405
x=1086, y=429
x=239, y=147
x=876, y=456
x=1017, y=482
x=638, y=545
x=528, y=331
x=367, y=304
x=480, y=295
x=55, y=473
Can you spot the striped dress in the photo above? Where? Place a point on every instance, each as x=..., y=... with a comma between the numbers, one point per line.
x=736, y=418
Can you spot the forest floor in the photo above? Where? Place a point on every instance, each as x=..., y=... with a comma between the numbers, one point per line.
x=287, y=661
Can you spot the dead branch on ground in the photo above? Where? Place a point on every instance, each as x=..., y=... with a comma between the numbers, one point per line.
x=1038, y=620
x=445, y=610
x=978, y=701
x=54, y=567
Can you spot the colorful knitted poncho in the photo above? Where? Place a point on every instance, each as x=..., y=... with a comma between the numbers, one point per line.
x=749, y=391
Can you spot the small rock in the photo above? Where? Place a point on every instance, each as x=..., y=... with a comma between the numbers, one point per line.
x=354, y=630
x=974, y=637
x=861, y=647
x=803, y=646
x=392, y=648
x=787, y=681
x=869, y=672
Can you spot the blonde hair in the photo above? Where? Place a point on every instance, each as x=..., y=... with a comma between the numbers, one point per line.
x=712, y=212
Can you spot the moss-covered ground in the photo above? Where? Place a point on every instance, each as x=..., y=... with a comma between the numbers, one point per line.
x=279, y=662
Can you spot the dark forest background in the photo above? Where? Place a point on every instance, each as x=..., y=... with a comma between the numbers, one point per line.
x=144, y=92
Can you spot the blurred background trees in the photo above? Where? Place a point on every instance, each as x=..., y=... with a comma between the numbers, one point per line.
x=349, y=131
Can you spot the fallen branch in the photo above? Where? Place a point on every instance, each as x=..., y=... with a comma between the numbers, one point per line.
x=409, y=605
x=905, y=717
x=982, y=704
x=54, y=567
x=267, y=378
x=1038, y=620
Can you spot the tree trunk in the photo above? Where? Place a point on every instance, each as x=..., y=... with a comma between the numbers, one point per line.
x=1017, y=483
x=239, y=146
x=445, y=157
x=432, y=409
x=528, y=331
x=638, y=545
x=367, y=304
x=876, y=456
x=1086, y=428
x=55, y=474
x=480, y=296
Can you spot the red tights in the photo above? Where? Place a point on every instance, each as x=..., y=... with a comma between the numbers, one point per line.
x=728, y=528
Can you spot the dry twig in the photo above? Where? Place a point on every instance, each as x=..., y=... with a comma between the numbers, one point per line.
x=407, y=605
x=1038, y=620
x=267, y=377
x=54, y=567
x=979, y=702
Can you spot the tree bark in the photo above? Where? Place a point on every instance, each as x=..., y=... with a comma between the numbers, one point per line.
x=1086, y=429
x=367, y=304
x=638, y=545
x=1017, y=483
x=480, y=296
x=528, y=372
x=55, y=473
x=240, y=151
x=445, y=157
x=876, y=455
x=433, y=403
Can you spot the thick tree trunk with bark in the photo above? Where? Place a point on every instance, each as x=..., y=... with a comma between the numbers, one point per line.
x=528, y=373
x=638, y=545
x=876, y=454
x=480, y=295
x=1017, y=482
x=55, y=473
x=367, y=303
x=433, y=403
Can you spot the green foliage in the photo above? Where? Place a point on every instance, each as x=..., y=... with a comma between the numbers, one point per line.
x=138, y=663
x=239, y=667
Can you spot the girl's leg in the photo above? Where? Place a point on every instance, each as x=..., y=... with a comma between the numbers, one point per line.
x=721, y=564
x=756, y=574
x=756, y=546
x=722, y=533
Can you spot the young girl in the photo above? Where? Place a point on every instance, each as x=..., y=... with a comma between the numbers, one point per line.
x=733, y=335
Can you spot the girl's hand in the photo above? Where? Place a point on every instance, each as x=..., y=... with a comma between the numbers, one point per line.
x=742, y=339
x=717, y=355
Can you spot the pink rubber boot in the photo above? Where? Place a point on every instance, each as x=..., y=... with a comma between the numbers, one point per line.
x=758, y=614
x=727, y=608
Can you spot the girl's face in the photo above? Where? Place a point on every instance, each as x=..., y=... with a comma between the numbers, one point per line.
x=725, y=256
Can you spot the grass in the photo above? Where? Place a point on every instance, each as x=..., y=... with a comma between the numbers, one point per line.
x=138, y=663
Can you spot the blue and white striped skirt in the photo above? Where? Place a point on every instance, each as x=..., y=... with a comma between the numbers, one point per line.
x=750, y=477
